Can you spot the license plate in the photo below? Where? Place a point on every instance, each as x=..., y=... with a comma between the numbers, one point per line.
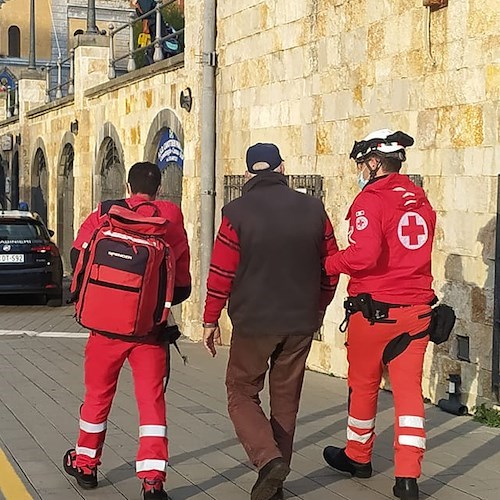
x=11, y=258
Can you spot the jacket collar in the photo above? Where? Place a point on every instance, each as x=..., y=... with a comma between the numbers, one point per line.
x=265, y=179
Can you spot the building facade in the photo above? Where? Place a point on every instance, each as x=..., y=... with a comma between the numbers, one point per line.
x=312, y=76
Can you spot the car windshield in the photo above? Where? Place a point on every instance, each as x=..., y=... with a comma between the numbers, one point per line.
x=21, y=230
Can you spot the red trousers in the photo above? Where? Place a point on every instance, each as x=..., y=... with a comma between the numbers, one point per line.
x=369, y=348
x=104, y=358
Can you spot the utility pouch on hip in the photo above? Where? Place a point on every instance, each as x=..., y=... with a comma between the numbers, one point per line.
x=442, y=323
x=372, y=310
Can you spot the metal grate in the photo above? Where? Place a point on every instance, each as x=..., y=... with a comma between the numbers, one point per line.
x=309, y=184
x=416, y=179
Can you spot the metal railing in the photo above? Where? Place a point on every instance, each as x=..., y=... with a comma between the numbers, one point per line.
x=69, y=84
x=12, y=101
x=158, y=43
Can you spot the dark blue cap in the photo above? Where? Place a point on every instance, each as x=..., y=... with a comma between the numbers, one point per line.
x=263, y=152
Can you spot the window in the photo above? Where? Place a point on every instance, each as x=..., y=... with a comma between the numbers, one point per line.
x=14, y=42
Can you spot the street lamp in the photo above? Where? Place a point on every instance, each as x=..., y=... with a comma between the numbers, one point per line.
x=32, y=54
x=91, y=22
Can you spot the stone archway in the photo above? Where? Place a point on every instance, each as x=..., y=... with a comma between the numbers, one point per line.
x=14, y=181
x=39, y=184
x=164, y=146
x=65, y=203
x=110, y=177
x=112, y=172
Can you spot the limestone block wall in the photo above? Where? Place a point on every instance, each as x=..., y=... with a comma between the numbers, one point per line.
x=315, y=75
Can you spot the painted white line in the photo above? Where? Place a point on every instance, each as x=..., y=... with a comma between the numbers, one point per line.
x=67, y=335
x=17, y=332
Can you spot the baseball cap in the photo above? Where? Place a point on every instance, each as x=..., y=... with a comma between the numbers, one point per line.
x=263, y=152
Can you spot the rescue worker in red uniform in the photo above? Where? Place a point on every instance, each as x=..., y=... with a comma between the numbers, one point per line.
x=105, y=355
x=391, y=230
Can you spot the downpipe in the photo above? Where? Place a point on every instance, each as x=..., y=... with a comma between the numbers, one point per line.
x=208, y=134
x=452, y=404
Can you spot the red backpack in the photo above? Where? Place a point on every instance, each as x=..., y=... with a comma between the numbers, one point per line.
x=123, y=282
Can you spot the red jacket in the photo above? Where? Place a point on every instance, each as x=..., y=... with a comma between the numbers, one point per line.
x=391, y=230
x=175, y=236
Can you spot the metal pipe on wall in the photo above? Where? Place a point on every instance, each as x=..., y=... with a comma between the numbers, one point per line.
x=495, y=371
x=208, y=134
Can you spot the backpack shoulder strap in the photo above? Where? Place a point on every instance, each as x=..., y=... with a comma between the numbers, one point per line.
x=105, y=206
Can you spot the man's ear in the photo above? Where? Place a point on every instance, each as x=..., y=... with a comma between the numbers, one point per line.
x=248, y=175
x=281, y=168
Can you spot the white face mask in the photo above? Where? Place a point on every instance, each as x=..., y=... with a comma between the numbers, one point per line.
x=362, y=182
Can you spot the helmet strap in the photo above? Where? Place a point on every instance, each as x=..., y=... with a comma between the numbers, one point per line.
x=374, y=171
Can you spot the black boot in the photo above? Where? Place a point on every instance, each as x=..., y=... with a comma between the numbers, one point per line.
x=270, y=479
x=406, y=488
x=86, y=477
x=153, y=490
x=336, y=458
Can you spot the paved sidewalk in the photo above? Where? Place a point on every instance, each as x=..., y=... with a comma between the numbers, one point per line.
x=40, y=392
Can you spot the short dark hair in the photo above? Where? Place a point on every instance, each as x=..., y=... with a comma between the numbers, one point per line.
x=144, y=177
x=389, y=164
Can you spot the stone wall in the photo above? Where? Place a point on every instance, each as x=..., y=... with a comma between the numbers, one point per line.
x=315, y=75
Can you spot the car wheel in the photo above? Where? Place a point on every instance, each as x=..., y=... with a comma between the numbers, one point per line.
x=55, y=300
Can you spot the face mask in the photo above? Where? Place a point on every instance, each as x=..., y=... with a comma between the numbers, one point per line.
x=362, y=182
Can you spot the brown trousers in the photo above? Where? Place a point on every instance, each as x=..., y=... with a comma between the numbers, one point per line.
x=249, y=359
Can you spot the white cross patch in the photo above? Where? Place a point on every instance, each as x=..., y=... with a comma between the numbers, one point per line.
x=412, y=231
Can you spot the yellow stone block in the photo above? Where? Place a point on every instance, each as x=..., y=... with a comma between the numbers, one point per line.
x=461, y=126
x=493, y=81
x=323, y=139
x=375, y=41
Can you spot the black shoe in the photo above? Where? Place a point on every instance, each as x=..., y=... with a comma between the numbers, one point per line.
x=86, y=477
x=270, y=479
x=336, y=458
x=406, y=488
x=153, y=490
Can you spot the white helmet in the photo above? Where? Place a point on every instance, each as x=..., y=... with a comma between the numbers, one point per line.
x=383, y=142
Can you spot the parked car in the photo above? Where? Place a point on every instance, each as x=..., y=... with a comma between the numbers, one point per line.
x=30, y=263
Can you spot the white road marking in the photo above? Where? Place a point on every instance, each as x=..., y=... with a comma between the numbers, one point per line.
x=67, y=335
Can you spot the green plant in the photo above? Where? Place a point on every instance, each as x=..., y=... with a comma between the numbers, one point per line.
x=486, y=416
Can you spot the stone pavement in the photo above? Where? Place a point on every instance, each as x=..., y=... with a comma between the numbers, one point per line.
x=41, y=390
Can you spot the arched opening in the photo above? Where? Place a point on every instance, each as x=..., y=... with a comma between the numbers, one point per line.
x=14, y=49
x=14, y=182
x=65, y=205
x=112, y=172
x=39, y=184
x=170, y=160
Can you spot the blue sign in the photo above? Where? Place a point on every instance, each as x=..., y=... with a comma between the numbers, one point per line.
x=169, y=150
x=6, y=81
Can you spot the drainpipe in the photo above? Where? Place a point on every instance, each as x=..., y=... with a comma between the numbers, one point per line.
x=207, y=216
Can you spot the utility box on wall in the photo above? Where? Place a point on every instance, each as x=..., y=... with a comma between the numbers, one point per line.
x=435, y=4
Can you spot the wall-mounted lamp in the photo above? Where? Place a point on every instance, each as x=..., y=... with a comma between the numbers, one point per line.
x=74, y=127
x=186, y=100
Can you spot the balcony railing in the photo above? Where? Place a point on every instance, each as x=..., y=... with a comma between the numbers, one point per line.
x=12, y=102
x=57, y=91
x=163, y=46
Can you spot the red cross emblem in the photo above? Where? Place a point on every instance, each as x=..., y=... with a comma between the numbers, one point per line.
x=412, y=231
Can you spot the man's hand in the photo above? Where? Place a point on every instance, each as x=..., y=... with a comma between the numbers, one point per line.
x=211, y=338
